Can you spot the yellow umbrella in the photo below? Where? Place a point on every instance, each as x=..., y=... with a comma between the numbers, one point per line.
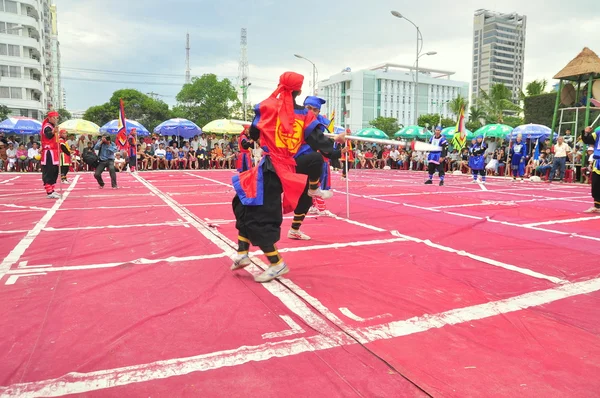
x=80, y=126
x=223, y=126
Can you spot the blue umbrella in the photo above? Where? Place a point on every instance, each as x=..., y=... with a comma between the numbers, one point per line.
x=533, y=131
x=180, y=127
x=113, y=126
x=20, y=125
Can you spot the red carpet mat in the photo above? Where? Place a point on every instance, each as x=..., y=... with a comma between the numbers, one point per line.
x=462, y=290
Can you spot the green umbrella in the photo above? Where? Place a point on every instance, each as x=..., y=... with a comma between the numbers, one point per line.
x=494, y=131
x=372, y=132
x=411, y=132
x=448, y=132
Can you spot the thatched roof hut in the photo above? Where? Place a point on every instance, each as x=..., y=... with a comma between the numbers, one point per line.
x=586, y=63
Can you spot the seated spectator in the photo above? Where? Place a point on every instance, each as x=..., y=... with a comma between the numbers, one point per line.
x=543, y=165
x=149, y=156
x=181, y=159
x=501, y=160
x=22, y=161
x=202, y=157
x=587, y=173
x=33, y=154
x=464, y=160
x=192, y=159
x=170, y=158
x=394, y=158
x=217, y=156
x=11, y=152
x=370, y=158
x=3, y=156
x=228, y=157
x=531, y=166
x=119, y=162
x=161, y=157
x=75, y=158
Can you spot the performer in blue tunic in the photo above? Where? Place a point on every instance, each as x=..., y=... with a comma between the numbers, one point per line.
x=436, y=158
x=518, y=154
x=477, y=159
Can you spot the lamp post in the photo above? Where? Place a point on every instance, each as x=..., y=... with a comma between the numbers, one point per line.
x=419, y=48
x=315, y=73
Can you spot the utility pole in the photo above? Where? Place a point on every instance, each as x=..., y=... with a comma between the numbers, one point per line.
x=187, y=60
x=243, y=71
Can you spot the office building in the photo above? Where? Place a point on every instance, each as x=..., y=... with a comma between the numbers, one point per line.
x=498, y=52
x=388, y=90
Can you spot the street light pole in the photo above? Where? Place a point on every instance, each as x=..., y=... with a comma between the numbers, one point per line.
x=419, y=48
x=314, y=72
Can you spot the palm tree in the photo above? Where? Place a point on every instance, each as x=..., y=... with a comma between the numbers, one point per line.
x=457, y=103
x=536, y=87
x=476, y=113
x=497, y=102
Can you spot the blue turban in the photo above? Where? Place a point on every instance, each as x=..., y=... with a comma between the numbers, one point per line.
x=480, y=136
x=313, y=101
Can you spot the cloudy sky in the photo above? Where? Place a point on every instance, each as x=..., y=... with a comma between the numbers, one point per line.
x=107, y=45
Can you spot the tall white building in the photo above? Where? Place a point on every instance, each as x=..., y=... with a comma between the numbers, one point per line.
x=388, y=90
x=26, y=69
x=498, y=51
x=55, y=81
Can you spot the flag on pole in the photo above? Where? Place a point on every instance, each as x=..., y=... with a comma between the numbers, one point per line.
x=331, y=126
x=122, y=128
x=536, y=152
x=459, y=141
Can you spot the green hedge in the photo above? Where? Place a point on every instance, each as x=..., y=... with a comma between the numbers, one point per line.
x=539, y=109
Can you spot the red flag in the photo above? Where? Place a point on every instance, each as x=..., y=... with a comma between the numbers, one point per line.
x=122, y=143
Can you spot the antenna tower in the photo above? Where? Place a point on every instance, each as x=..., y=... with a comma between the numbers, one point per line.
x=187, y=59
x=243, y=70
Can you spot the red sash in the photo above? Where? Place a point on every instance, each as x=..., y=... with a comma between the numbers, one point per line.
x=49, y=144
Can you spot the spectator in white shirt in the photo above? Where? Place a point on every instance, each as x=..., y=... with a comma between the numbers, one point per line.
x=561, y=151
x=161, y=156
x=394, y=157
x=31, y=155
x=195, y=143
x=202, y=142
x=11, y=153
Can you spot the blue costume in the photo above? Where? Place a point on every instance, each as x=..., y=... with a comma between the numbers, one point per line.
x=435, y=162
x=518, y=153
x=317, y=102
x=477, y=158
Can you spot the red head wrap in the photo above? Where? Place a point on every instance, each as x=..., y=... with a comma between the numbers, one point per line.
x=53, y=113
x=288, y=82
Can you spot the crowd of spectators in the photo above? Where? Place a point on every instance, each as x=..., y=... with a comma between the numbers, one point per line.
x=220, y=152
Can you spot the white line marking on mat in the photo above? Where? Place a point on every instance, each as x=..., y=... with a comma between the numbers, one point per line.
x=79, y=383
x=14, y=256
x=295, y=329
x=352, y=316
x=10, y=179
x=535, y=224
x=13, y=278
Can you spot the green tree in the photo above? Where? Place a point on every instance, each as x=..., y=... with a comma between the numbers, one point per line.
x=432, y=120
x=206, y=99
x=138, y=106
x=237, y=112
x=513, y=121
x=497, y=102
x=388, y=125
x=473, y=126
x=63, y=115
x=100, y=114
x=475, y=114
x=536, y=87
x=457, y=103
x=4, y=112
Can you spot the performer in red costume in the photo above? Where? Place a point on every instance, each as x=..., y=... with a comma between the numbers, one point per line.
x=282, y=127
x=244, y=160
x=49, y=152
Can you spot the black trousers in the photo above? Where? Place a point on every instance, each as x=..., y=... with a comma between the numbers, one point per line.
x=261, y=225
x=596, y=188
x=64, y=170
x=49, y=170
x=132, y=162
x=432, y=168
x=106, y=164
x=310, y=164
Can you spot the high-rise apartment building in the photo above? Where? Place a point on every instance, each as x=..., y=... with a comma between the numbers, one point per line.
x=498, y=52
x=27, y=80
